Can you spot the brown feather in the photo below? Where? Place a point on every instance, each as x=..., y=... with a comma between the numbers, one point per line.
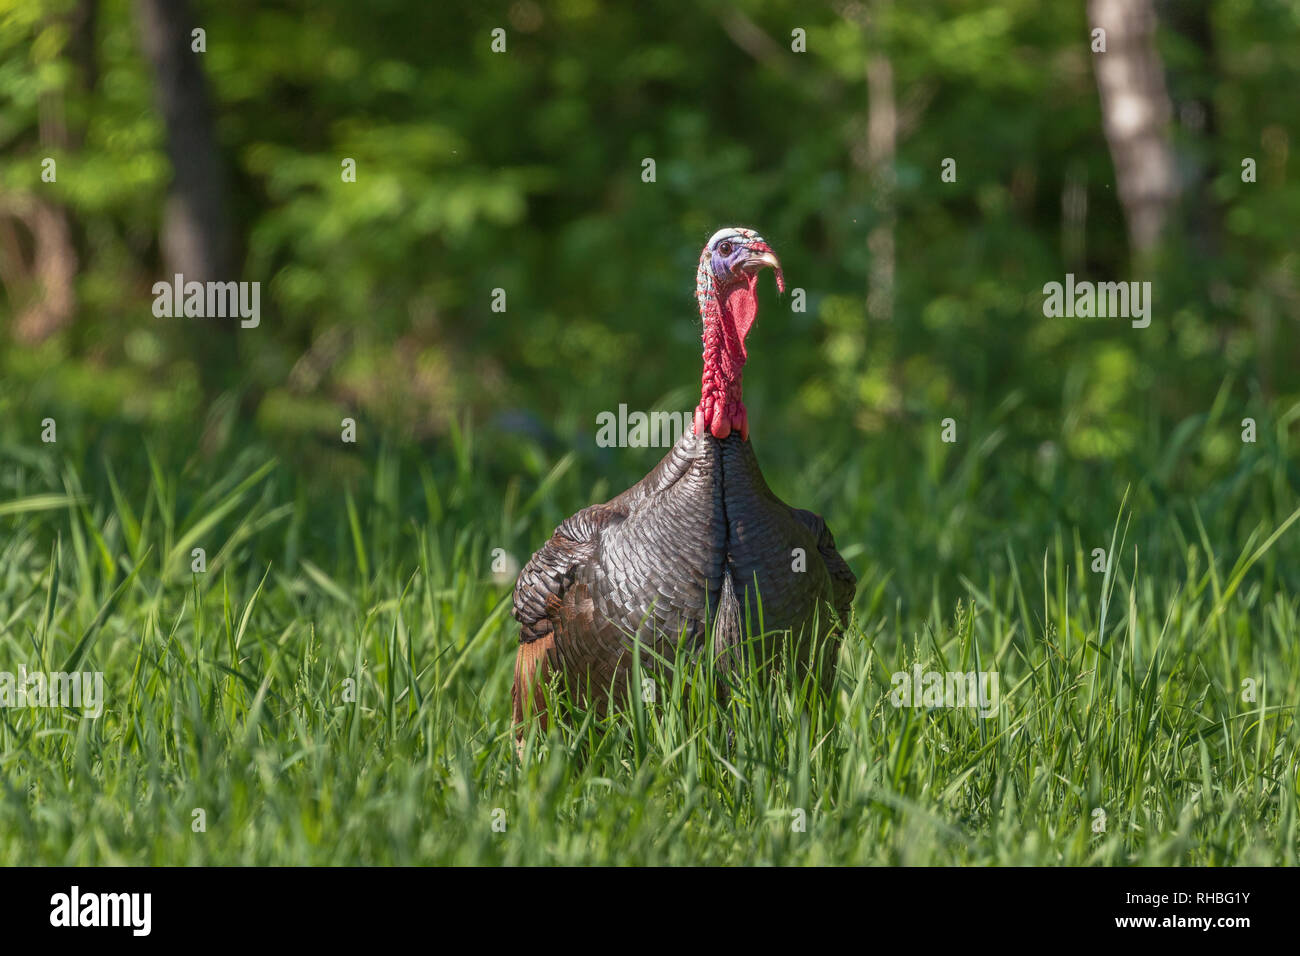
x=690, y=546
x=532, y=668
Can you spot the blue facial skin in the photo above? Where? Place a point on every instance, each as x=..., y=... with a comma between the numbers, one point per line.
x=725, y=266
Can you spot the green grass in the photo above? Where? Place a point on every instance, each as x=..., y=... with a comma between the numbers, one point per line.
x=227, y=690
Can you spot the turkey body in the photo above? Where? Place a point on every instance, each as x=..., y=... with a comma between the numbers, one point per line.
x=688, y=550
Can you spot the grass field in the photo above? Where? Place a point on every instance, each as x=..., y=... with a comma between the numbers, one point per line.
x=1123, y=735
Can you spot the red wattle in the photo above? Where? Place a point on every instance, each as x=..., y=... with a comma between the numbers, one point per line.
x=740, y=305
x=721, y=410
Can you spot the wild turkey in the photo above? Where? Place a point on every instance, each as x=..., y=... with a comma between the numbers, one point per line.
x=684, y=548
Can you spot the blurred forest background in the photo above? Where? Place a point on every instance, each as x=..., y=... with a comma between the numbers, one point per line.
x=202, y=535
x=522, y=170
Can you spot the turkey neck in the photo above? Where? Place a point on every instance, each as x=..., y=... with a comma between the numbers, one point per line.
x=727, y=320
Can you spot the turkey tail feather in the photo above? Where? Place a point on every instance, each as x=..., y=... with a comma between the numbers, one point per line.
x=531, y=671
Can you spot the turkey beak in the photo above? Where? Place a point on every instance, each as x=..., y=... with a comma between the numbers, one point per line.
x=764, y=258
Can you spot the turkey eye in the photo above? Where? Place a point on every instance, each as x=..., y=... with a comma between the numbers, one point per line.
x=724, y=249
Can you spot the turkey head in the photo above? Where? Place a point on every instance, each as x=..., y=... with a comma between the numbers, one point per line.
x=725, y=288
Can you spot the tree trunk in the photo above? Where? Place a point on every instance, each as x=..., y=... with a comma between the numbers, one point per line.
x=48, y=283
x=196, y=236
x=876, y=156
x=882, y=135
x=1193, y=95
x=1135, y=112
